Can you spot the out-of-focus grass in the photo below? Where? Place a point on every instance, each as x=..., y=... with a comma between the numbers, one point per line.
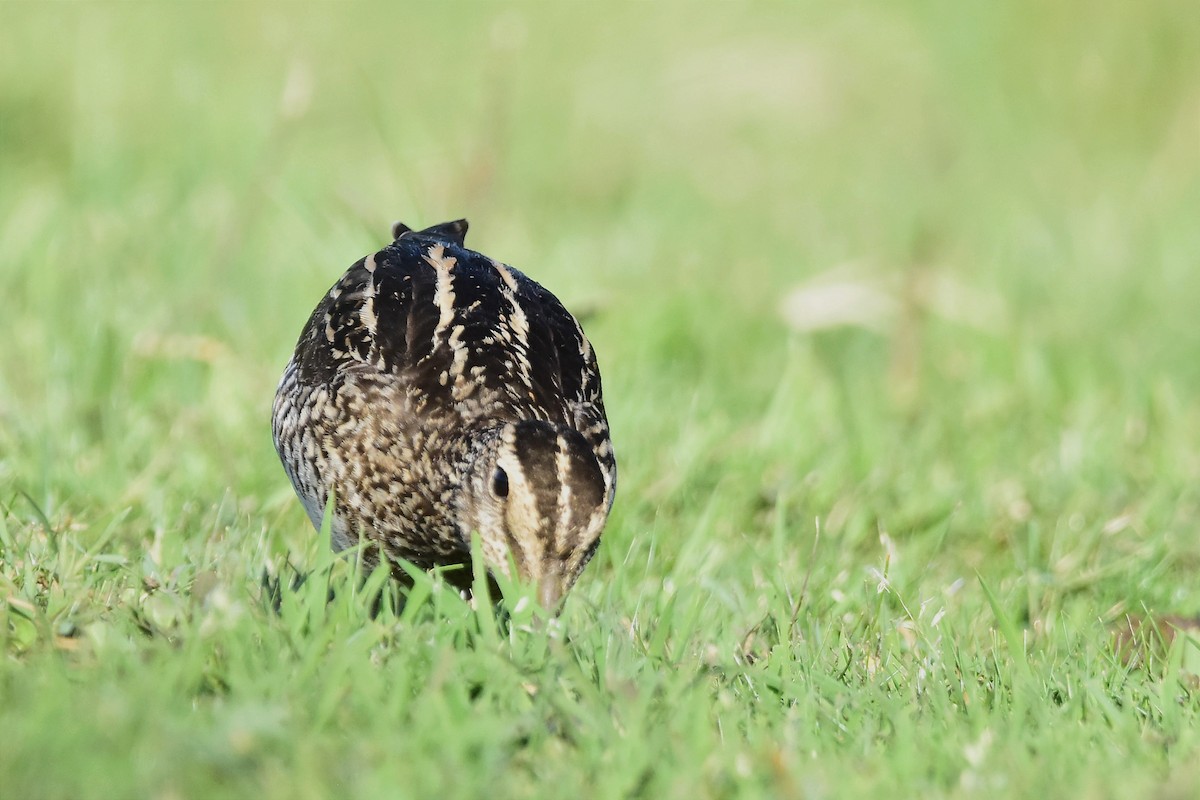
x=999, y=469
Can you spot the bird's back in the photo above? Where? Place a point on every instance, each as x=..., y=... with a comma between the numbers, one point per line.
x=464, y=334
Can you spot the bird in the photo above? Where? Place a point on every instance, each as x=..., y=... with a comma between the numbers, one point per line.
x=436, y=393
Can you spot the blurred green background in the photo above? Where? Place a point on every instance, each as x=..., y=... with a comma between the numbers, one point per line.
x=181, y=182
x=1004, y=198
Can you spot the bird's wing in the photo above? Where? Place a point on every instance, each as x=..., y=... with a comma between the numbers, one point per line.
x=468, y=335
x=579, y=379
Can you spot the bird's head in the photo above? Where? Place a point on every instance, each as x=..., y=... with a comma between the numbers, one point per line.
x=536, y=495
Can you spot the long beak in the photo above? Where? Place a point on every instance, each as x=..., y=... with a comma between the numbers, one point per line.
x=550, y=591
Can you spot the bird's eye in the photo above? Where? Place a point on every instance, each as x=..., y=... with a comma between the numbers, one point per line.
x=500, y=483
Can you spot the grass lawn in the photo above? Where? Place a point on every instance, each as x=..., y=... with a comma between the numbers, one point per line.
x=898, y=309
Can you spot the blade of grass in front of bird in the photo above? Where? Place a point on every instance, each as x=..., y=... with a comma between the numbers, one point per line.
x=482, y=601
x=415, y=598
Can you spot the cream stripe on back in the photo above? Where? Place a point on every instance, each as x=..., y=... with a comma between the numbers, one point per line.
x=443, y=295
x=563, y=468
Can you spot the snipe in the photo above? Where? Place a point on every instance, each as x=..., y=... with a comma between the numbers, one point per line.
x=437, y=392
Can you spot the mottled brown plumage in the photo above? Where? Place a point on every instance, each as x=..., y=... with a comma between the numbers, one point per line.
x=437, y=393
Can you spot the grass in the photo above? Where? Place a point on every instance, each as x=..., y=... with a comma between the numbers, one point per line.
x=863, y=558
